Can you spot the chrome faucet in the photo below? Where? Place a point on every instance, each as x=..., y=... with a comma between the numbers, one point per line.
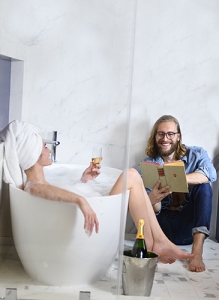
x=54, y=144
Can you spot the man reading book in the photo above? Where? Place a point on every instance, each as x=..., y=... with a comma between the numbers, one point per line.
x=184, y=217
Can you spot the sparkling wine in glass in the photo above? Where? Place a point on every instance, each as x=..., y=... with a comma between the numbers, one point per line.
x=96, y=155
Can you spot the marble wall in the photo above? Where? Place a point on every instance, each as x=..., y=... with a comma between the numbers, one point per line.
x=78, y=76
x=76, y=71
x=175, y=71
x=78, y=62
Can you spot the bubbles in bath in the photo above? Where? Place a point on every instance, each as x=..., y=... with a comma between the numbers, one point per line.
x=69, y=178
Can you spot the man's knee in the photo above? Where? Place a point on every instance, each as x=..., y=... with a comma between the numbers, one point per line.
x=204, y=189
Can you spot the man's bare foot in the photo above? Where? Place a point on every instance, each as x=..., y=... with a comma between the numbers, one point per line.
x=196, y=263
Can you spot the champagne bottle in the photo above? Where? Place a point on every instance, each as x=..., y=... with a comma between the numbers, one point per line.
x=139, y=249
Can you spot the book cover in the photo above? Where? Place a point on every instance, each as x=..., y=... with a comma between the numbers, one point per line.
x=172, y=174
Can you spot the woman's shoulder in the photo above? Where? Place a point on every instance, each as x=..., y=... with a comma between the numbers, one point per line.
x=29, y=184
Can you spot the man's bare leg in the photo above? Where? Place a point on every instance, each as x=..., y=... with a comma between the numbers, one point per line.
x=196, y=263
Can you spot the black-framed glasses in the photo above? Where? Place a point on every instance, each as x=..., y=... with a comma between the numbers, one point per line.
x=170, y=135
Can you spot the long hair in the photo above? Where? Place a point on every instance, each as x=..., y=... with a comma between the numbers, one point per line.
x=151, y=149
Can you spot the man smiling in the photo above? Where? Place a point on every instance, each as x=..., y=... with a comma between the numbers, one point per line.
x=184, y=218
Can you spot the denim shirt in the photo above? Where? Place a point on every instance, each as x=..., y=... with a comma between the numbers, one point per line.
x=195, y=160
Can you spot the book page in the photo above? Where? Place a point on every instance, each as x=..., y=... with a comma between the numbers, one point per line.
x=149, y=174
x=176, y=177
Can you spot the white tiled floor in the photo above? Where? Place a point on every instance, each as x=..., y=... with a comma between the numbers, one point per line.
x=170, y=282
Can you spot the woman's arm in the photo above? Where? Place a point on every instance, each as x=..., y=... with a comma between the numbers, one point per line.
x=51, y=192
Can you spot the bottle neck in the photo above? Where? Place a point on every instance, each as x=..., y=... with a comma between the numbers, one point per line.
x=140, y=233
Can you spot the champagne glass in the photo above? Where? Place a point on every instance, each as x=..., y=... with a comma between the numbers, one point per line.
x=96, y=155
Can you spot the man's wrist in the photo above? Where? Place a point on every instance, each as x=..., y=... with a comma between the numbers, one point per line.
x=156, y=206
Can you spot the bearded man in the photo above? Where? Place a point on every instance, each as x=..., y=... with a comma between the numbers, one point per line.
x=184, y=218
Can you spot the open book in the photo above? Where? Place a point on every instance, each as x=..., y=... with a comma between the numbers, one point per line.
x=172, y=174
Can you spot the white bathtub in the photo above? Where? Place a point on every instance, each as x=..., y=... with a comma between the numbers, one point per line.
x=51, y=242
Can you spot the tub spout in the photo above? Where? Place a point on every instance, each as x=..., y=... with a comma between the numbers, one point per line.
x=54, y=143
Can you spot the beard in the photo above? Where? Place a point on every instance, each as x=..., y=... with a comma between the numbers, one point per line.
x=165, y=153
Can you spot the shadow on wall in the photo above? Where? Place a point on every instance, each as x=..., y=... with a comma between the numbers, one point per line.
x=117, y=142
x=138, y=142
x=5, y=216
x=1, y=169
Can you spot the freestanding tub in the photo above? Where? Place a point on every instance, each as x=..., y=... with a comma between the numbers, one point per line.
x=51, y=242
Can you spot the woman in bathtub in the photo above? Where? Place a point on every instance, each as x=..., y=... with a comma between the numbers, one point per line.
x=32, y=155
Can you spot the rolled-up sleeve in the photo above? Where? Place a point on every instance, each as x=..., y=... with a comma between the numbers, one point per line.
x=199, y=161
x=208, y=172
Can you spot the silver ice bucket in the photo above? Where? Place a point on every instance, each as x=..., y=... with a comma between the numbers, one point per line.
x=138, y=274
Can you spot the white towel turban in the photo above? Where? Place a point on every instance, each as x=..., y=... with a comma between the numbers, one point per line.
x=23, y=146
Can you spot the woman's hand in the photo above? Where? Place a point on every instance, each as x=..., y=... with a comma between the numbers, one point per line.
x=90, y=218
x=91, y=172
x=157, y=194
x=48, y=191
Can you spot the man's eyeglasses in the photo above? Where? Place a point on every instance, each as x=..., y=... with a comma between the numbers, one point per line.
x=170, y=135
